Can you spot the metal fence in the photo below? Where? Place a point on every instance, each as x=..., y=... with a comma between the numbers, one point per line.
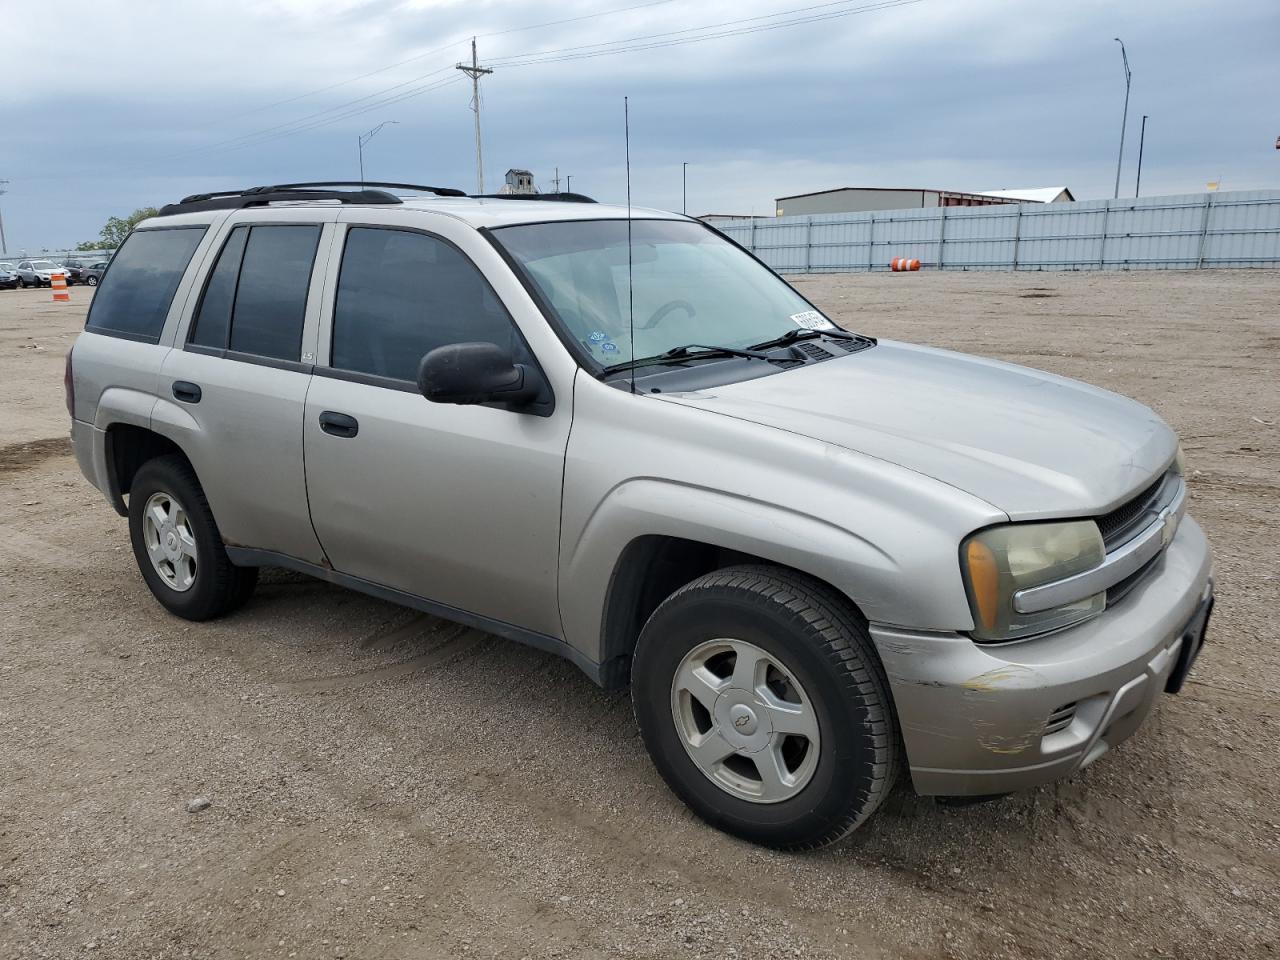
x=1233, y=229
x=57, y=256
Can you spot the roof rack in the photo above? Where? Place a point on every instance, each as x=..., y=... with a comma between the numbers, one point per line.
x=555, y=197
x=283, y=192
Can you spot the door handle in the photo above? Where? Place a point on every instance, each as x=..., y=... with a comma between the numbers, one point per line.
x=339, y=424
x=186, y=391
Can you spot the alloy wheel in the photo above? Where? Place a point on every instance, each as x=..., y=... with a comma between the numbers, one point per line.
x=745, y=721
x=170, y=541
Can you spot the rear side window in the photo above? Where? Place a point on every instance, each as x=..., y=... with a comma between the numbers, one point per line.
x=401, y=295
x=256, y=297
x=134, y=295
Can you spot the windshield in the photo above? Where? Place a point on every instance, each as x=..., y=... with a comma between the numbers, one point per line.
x=689, y=285
x=41, y=265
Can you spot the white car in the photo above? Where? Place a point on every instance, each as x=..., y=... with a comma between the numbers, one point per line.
x=39, y=273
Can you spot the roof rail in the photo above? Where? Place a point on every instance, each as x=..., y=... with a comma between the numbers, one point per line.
x=283, y=192
x=438, y=191
x=555, y=197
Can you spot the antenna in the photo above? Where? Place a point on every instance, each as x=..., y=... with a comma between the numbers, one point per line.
x=631, y=295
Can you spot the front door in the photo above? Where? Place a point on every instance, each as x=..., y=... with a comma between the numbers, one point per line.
x=457, y=504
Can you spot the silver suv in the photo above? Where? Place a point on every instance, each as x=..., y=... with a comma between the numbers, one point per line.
x=618, y=437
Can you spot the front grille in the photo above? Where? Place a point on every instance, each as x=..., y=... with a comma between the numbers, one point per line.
x=1134, y=514
x=1060, y=719
x=1118, y=591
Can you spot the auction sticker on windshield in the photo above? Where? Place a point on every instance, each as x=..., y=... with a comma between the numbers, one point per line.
x=812, y=320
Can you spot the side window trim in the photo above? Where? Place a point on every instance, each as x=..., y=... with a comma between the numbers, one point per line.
x=320, y=264
x=324, y=364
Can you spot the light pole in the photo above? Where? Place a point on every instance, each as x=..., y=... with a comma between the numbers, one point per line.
x=365, y=138
x=4, y=246
x=568, y=183
x=1124, y=119
x=684, y=188
x=1142, y=139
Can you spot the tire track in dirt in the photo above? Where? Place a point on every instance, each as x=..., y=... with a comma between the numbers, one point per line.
x=30, y=453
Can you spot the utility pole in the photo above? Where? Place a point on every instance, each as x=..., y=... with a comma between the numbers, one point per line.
x=1124, y=119
x=568, y=183
x=1142, y=139
x=556, y=180
x=684, y=188
x=3, y=244
x=475, y=72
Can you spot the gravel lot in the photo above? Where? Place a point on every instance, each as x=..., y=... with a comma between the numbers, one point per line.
x=384, y=784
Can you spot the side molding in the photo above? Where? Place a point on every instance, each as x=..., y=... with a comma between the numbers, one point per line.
x=249, y=557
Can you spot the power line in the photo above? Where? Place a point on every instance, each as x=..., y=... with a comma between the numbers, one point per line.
x=453, y=43
x=378, y=99
x=673, y=38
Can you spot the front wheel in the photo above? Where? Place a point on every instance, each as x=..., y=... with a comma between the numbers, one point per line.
x=92, y=281
x=177, y=545
x=764, y=706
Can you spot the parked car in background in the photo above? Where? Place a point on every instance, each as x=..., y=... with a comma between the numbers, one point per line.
x=92, y=273
x=37, y=273
x=8, y=276
x=75, y=270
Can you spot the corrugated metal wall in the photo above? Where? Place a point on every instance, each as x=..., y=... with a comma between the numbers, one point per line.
x=1234, y=229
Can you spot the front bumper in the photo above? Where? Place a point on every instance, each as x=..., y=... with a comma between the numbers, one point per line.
x=979, y=720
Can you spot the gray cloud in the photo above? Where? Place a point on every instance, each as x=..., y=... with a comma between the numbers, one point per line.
x=965, y=95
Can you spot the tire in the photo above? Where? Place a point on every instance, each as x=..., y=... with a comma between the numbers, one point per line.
x=818, y=656
x=92, y=281
x=202, y=583
x=22, y=284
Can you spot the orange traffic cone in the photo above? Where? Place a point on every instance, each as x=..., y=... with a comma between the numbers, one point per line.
x=58, y=283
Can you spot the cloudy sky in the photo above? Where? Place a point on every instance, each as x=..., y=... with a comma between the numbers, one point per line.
x=137, y=103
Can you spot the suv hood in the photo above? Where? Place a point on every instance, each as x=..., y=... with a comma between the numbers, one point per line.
x=1032, y=444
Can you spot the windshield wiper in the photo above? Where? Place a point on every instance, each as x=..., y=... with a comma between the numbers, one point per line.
x=689, y=351
x=791, y=336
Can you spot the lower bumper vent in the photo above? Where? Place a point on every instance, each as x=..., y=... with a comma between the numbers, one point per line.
x=1060, y=719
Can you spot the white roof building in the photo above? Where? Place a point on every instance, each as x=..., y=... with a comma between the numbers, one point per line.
x=1033, y=194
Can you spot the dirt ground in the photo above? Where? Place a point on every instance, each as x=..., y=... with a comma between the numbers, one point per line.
x=384, y=784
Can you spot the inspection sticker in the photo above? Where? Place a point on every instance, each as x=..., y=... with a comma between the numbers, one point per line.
x=812, y=320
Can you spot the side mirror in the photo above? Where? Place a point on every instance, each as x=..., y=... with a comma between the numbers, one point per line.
x=477, y=373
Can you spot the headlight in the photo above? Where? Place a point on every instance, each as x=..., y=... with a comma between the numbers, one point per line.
x=1000, y=561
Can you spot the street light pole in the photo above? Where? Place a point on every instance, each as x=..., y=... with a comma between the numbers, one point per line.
x=568, y=183
x=684, y=188
x=365, y=138
x=4, y=246
x=1124, y=119
x=1142, y=139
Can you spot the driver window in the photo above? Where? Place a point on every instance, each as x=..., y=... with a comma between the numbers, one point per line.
x=401, y=295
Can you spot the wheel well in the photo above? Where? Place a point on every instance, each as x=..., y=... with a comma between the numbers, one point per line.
x=128, y=448
x=650, y=569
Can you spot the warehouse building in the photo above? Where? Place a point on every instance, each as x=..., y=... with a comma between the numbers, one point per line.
x=860, y=199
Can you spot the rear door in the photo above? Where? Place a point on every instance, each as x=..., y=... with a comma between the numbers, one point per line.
x=457, y=504
x=232, y=391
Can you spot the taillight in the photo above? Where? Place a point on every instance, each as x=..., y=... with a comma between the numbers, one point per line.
x=69, y=385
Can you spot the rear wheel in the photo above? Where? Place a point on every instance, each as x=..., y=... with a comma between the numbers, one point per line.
x=762, y=701
x=92, y=281
x=177, y=544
